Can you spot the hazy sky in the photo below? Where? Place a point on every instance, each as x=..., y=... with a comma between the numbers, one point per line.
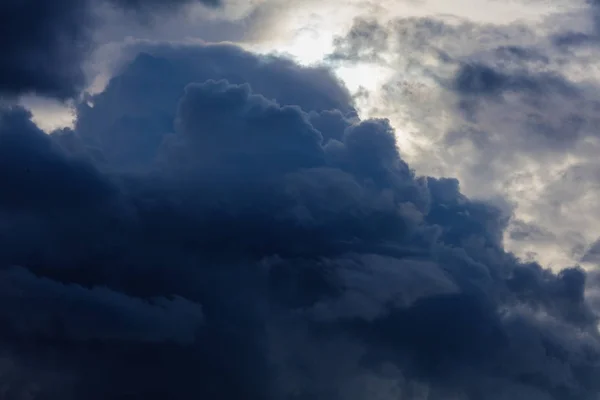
x=299, y=199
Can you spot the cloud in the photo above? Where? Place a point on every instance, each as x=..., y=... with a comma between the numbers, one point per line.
x=140, y=5
x=138, y=107
x=81, y=314
x=504, y=107
x=46, y=57
x=592, y=254
x=268, y=245
x=364, y=41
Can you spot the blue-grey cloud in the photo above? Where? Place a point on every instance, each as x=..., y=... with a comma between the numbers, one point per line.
x=593, y=253
x=139, y=119
x=267, y=245
x=44, y=44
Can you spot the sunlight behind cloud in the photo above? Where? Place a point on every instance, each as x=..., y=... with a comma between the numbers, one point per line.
x=222, y=223
x=309, y=46
x=369, y=77
x=49, y=114
x=306, y=33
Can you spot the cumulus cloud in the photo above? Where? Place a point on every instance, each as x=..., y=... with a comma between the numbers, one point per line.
x=139, y=119
x=44, y=44
x=268, y=244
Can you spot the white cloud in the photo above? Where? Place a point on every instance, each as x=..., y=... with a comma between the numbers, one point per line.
x=534, y=142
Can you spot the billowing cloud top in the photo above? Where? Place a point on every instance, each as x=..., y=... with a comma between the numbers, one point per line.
x=222, y=225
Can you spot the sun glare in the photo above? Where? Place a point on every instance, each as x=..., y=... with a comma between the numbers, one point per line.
x=363, y=76
x=309, y=46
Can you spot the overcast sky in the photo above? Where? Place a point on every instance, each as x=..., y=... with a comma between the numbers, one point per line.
x=548, y=182
x=300, y=199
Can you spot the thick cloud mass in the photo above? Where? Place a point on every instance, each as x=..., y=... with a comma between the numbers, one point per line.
x=130, y=118
x=267, y=245
x=44, y=43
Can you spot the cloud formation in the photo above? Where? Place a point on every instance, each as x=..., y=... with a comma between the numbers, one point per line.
x=138, y=107
x=268, y=244
x=509, y=108
x=44, y=44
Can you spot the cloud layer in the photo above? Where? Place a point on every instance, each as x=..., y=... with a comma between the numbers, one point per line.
x=222, y=225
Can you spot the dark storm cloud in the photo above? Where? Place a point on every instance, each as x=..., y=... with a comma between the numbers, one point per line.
x=36, y=172
x=267, y=246
x=129, y=120
x=43, y=44
x=82, y=314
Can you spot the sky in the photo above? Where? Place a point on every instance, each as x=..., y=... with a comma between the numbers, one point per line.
x=303, y=200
